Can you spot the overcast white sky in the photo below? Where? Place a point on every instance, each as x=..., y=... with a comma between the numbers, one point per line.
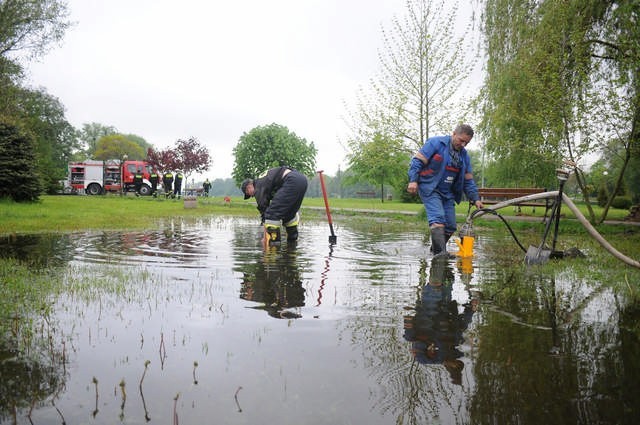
x=211, y=69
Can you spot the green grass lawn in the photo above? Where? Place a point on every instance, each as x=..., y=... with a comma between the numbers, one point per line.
x=69, y=213
x=462, y=209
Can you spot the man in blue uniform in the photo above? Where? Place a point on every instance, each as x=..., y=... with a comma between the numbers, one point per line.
x=440, y=172
x=279, y=193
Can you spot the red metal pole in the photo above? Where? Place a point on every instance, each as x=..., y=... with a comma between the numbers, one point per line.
x=333, y=238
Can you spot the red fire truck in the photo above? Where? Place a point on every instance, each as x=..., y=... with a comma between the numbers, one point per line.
x=97, y=177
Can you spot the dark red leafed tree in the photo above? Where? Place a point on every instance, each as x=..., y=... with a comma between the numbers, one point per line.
x=188, y=156
x=192, y=156
x=163, y=160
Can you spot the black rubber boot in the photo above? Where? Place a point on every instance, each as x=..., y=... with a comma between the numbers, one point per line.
x=292, y=233
x=447, y=236
x=438, y=242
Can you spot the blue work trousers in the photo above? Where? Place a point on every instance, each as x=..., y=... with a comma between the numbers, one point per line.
x=440, y=209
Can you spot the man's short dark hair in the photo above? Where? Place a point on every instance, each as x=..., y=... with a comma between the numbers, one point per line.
x=464, y=129
x=243, y=187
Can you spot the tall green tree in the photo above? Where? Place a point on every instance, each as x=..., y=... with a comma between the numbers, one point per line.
x=426, y=58
x=19, y=178
x=43, y=116
x=380, y=161
x=117, y=146
x=521, y=124
x=140, y=141
x=614, y=41
x=562, y=81
x=90, y=133
x=27, y=30
x=270, y=146
x=10, y=78
x=31, y=27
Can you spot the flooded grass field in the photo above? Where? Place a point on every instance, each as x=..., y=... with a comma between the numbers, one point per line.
x=196, y=324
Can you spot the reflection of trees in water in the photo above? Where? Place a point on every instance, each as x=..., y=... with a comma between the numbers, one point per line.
x=246, y=246
x=38, y=250
x=32, y=359
x=176, y=239
x=551, y=353
x=412, y=390
x=32, y=368
x=630, y=339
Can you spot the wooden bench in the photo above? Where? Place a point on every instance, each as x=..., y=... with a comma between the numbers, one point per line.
x=494, y=195
x=634, y=214
x=366, y=194
x=194, y=191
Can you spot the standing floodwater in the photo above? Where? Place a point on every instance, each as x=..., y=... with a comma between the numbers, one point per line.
x=195, y=323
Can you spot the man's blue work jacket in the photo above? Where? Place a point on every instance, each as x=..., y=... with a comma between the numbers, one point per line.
x=429, y=175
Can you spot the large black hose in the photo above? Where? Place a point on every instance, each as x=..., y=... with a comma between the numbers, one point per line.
x=581, y=218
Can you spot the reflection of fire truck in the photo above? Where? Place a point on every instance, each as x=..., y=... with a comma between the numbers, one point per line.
x=98, y=177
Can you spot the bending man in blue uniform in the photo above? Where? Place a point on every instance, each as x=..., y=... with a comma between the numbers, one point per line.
x=279, y=193
x=440, y=172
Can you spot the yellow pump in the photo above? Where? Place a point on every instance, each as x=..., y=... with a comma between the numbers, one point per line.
x=466, y=247
x=467, y=238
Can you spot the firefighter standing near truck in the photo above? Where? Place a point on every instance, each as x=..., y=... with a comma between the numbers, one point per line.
x=137, y=181
x=153, y=179
x=177, y=185
x=167, y=182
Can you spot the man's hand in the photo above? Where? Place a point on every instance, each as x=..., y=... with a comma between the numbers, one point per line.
x=412, y=188
x=479, y=204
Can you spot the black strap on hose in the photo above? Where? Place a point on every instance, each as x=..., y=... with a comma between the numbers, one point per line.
x=494, y=212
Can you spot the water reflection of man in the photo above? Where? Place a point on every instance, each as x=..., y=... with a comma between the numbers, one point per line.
x=437, y=327
x=276, y=284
